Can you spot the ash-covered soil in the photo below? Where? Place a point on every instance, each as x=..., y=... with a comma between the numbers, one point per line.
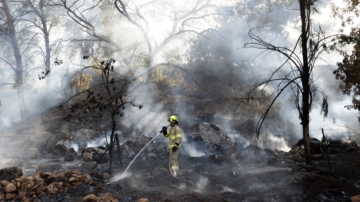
x=206, y=178
x=212, y=173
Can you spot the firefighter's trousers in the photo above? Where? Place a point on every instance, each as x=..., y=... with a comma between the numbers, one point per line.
x=173, y=159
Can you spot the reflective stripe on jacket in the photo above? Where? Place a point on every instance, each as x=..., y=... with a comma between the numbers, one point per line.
x=174, y=135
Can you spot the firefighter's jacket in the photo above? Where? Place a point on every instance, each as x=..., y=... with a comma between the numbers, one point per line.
x=174, y=135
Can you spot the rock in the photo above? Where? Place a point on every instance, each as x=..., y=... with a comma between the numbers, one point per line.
x=95, y=154
x=70, y=155
x=213, y=134
x=10, y=196
x=90, y=198
x=87, y=178
x=104, y=176
x=106, y=197
x=31, y=153
x=58, y=143
x=4, y=183
x=88, y=165
x=10, y=188
x=48, y=177
x=51, y=190
x=355, y=198
x=42, y=140
x=136, y=144
x=10, y=173
x=143, y=200
x=22, y=194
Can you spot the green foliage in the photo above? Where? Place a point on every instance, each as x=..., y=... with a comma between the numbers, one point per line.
x=352, y=38
x=348, y=72
x=347, y=12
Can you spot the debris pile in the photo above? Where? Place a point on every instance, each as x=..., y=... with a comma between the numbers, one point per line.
x=44, y=183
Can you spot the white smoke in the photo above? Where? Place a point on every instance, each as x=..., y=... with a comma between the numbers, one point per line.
x=239, y=139
x=192, y=151
x=228, y=189
x=271, y=141
x=202, y=183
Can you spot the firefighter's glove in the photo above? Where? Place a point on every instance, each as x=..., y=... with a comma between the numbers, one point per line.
x=164, y=130
x=176, y=146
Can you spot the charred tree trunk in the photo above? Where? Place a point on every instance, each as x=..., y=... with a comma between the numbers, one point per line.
x=112, y=139
x=118, y=148
x=305, y=108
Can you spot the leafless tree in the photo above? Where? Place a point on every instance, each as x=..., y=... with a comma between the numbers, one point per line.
x=181, y=20
x=11, y=29
x=41, y=16
x=312, y=43
x=186, y=21
x=107, y=98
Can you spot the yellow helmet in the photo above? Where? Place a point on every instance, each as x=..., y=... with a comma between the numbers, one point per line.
x=173, y=118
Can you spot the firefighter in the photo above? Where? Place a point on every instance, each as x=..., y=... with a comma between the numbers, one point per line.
x=175, y=138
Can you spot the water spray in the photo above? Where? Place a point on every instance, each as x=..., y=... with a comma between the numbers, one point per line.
x=124, y=174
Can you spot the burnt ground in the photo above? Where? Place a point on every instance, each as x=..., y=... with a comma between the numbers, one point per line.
x=219, y=174
x=221, y=178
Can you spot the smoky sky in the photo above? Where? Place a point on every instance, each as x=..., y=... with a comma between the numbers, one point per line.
x=271, y=23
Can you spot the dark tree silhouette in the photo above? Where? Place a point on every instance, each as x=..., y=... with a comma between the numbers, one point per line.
x=299, y=79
